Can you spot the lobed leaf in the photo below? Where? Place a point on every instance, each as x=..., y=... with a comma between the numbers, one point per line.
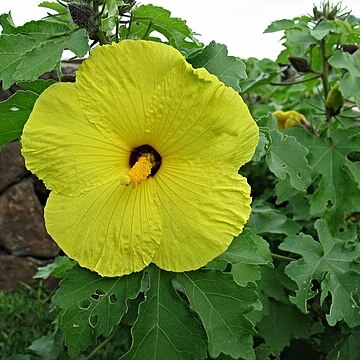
x=337, y=191
x=221, y=305
x=286, y=156
x=333, y=263
x=165, y=328
x=56, y=269
x=12, y=47
x=266, y=219
x=282, y=324
x=279, y=25
x=27, y=51
x=92, y=305
x=214, y=57
x=322, y=29
x=151, y=18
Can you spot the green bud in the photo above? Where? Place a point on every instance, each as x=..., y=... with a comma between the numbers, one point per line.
x=334, y=101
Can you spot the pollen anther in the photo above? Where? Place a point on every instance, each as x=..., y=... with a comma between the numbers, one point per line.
x=141, y=169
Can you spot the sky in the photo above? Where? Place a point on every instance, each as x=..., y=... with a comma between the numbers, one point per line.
x=239, y=24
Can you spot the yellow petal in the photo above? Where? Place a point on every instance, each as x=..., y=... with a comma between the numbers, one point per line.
x=203, y=207
x=120, y=79
x=193, y=114
x=65, y=150
x=113, y=229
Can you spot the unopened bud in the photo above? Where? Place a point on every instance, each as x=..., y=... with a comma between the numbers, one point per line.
x=300, y=64
x=334, y=101
x=82, y=15
x=350, y=48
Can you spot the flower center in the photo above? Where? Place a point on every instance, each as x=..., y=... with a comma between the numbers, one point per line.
x=144, y=161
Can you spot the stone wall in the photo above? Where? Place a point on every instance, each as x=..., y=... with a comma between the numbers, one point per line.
x=24, y=242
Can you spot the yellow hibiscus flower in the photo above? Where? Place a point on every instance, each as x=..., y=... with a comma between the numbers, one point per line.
x=142, y=155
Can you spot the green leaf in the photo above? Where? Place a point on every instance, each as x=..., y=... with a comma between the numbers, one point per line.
x=56, y=269
x=350, y=87
x=322, y=29
x=246, y=253
x=266, y=219
x=12, y=47
x=344, y=60
x=112, y=12
x=349, y=84
x=42, y=30
x=279, y=25
x=39, y=59
x=77, y=42
x=14, y=113
x=45, y=56
x=329, y=262
x=221, y=305
x=284, y=191
x=261, y=148
x=244, y=273
x=179, y=35
x=282, y=324
x=275, y=284
x=345, y=288
x=299, y=41
x=37, y=86
x=348, y=348
x=291, y=162
x=165, y=328
x=337, y=191
x=36, y=47
x=7, y=24
x=247, y=248
x=48, y=347
x=92, y=305
x=53, y=6
x=214, y=57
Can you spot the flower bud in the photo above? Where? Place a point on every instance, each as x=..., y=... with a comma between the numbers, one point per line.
x=300, y=64
x=334, y=101
x=82, y=15
x=350, y=48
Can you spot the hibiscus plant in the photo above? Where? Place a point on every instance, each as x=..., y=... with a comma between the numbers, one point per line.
x=207, y=207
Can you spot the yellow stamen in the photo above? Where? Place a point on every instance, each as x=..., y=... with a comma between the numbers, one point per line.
x=141, y=169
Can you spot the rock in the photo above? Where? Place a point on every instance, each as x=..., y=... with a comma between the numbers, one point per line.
x=12, y=165
x=14, y=269
x=22, y=225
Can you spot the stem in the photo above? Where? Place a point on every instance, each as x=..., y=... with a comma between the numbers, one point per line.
x=325, y=81
x=102, y=38
x=296, y=82
x=281, y=257
x=117, y=29
x=148, y=30
x=129, y=27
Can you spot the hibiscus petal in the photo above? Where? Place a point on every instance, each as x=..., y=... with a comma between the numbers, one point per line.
x=193, y=114
x=113, y=229
x=64, y=149
x=202, y=210
x=120, y=79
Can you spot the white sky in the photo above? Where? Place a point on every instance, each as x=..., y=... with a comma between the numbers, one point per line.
x=239, y=24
